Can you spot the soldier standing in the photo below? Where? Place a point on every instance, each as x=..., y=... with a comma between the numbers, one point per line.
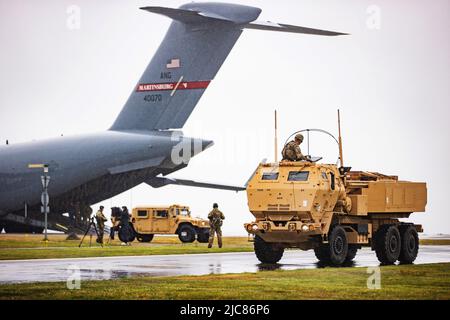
x=216, y=218
x=115, y=220
x=101, y=219
x=292, y=152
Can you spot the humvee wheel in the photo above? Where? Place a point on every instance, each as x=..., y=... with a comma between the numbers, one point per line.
x=387, y=244
x=409, y=244
x=144, y=237
x=351, y=254
x=267, y=253
x=203, y=236
x=187, y=234
x=335, y=252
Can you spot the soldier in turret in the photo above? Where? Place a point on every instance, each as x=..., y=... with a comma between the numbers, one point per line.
x=292, y=152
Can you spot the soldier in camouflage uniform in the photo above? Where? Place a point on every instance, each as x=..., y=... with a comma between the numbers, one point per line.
x=101, y=219
x=292, y=152
x=215, y=221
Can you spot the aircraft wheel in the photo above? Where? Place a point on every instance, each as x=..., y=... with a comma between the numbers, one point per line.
x=203, y=236
x=409, y=244
x=351, y=254
x=12, y=227
x=145, y=237
x=1, y=228
x=387, y=244
x=335, y=252
x=37, y=230
x=186, y=234
x=267, y=253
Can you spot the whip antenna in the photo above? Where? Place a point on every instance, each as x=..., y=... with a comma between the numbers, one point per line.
x=341, y=156
x=276, y=137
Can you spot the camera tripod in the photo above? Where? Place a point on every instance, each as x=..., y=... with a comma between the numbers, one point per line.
x=91, y=225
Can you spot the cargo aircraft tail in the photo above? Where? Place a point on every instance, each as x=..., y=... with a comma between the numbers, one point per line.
x=192, y=52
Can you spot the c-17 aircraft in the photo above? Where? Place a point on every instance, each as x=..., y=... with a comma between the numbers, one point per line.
x=143, y=145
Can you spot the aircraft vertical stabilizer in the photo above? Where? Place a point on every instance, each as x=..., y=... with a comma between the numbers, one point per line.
x=192, y=52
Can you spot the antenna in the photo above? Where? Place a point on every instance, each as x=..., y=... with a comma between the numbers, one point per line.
x=341, y=156
x=276, y=137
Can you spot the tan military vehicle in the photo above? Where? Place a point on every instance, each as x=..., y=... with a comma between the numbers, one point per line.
x=175, y=219
x=334, y=211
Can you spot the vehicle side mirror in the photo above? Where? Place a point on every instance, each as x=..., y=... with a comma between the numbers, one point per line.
x=333, y=181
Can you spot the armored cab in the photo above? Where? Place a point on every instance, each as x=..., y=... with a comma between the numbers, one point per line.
x=175, y=219
x=332, y=210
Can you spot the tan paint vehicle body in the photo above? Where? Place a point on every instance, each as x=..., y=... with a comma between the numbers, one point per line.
x=297, y=204
x=174, y=219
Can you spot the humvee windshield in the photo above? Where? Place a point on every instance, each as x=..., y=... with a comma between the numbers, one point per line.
x=184, y=212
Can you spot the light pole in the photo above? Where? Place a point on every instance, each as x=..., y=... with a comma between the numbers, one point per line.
x=45, y=179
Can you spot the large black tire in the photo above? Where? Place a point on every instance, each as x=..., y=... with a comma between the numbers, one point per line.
x=187, y=233
x=322, y=253
x=351, y=254
x=409, y=244
x=126, y=233
x=144, y=237
x=203, y=235
x=267, y=253
x=336, y=250
x=387, y=244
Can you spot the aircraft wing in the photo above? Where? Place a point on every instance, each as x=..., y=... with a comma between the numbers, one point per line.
x=158, y=182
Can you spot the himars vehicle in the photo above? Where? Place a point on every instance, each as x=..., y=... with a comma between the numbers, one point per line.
x=333, y=210
x=175, y=219
x=142, y=145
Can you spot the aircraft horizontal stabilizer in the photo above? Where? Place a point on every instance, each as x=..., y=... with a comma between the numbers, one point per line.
x=207, y=13
x=271, y=26
x=159, y=182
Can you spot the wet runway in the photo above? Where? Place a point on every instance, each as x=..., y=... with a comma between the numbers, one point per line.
x=105, y=268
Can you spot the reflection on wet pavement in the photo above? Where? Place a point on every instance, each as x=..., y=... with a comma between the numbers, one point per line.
x=105, y=268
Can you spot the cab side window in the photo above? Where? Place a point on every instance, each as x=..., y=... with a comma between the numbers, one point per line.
x=161, y=214
x=142, y=213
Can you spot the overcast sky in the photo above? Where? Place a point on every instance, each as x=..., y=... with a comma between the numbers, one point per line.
x=390, y=78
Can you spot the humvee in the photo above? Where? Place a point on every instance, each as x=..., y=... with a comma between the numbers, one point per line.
x=175, y=219
x=332, y=210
